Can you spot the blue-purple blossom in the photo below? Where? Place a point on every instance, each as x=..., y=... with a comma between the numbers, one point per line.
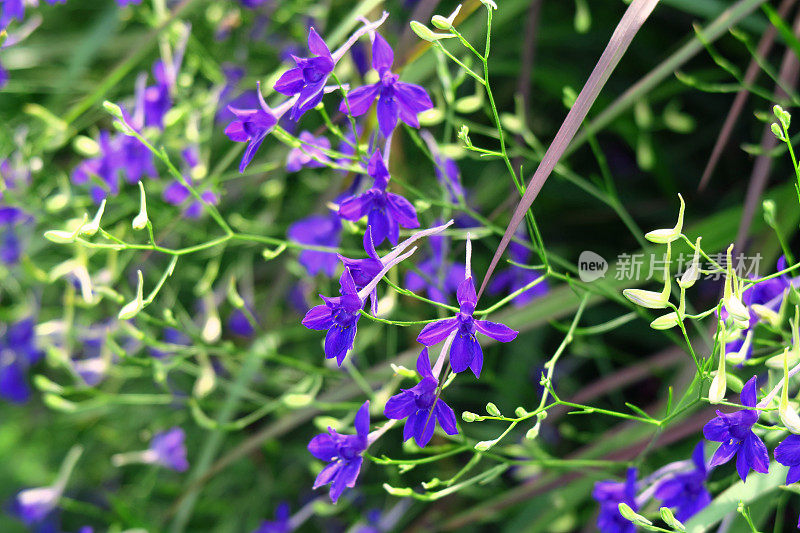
x=10, y=10
x=18, y=352
x=422, y=406
x=10, y=248
x=252, y=126
x=339, y=315
x=157, y=100
x=343, y=453
x=239, y=324
x=386, y=212
x=609, y=494
x=514, y=278
x=33, y=506
x=686, y=491
x=437, y=276
x=734, y=432
x=124, y=3
x=310, y=154
x=318, y=230
x=168, y=449
x=281, y=523
x=466, y=351
x=396, y=99
x=787, y=453
x=307, y=80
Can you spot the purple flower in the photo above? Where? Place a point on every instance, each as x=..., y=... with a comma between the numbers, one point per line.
x=609, y=494
x=169, y=450
x=157, y=99
x=422, y=406
x=18, y=353
x=3, y=76
x=734, y=431
x=438, y=277
x=10, y=249
x=686, y=491
x=309, y=154
x=280, y=524
x=308, y=78
x=317, y=230
x=515, y=278
x=396, y=99
x=787, y=453
x=33, y=506
x=386, y=212
x=123, y=3
x=252, y=126
x=253, y=3
x=343, y=453
x=465, y=352
x=10, y=10
x=239, y=324
x=339, y=315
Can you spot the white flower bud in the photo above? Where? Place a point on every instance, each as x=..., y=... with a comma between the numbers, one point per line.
x=132, y=308
x=663, y=236
x=140, y=220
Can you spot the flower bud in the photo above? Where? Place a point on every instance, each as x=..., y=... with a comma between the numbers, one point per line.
x=520, y=412
x=425, y=33
x=492, y=409
x=132, y=308
x=663, y=236
x=94, y=226
x=140, y=220
x=784, y=117
x=716, y=392
x=670, y=320
x=670, y=520
x=400, y=370
x=629, y=514
x=113, y=109
x=692, y=273
x=468, y=416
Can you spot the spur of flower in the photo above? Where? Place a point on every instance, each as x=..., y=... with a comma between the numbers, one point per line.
x=396, y=99
x=465, y=351
x=342, y=453
x=339, y=315
x=307, y=80
x=386, y=212
x=422, y=406
x=735, y=433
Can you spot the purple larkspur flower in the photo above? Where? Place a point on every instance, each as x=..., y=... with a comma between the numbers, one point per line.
x=514, y=278
x=396, y=99
x=124, y=3
x=252, y=126
x=609, y=494
x=11, y=10
x=157, y=100
x=3, y=76
x=422, y=406
x=18, y=352
x=310, y=154
x=253, y=3
x=317, y=230
x=386, y=212
x=358, y=53
x=308, y=78
x=686, y=491
x=735, y=433
x=339, y=315
x=342, y=453
x=280, y=524
x=34, y=506
x=10, y=246
x=437, y=276
x=169, y=450
x=239, y=324
x=466, y=351
x=787, y=453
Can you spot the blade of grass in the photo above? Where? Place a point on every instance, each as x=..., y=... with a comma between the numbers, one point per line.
x=633, y=18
